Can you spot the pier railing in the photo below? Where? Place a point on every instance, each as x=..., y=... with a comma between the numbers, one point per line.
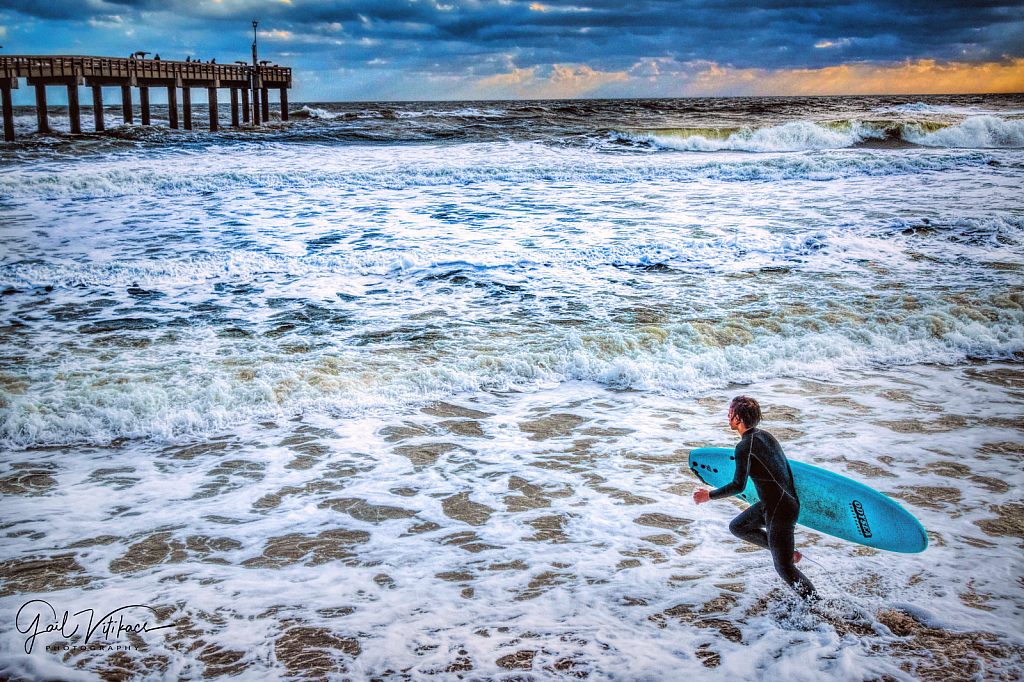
x=30, y=66
x=72, y=71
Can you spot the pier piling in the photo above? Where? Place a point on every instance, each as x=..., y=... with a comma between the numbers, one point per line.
x=97, y=107
x=255, y=106
x=74, y=111
x=245, y=105
x=172, y=106
x=126, y=104
x=186, y=106
x=41, y=118
x=212, y=95
x=265, y=97
x=284, y=104
x=5, y=91
x=234, y=107
x=144, y=103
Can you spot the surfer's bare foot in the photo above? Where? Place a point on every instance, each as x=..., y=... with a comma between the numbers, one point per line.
x=797, y=556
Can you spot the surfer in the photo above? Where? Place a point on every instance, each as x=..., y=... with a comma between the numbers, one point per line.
x=771, y=521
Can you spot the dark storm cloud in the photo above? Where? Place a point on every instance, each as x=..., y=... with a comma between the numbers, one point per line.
x=46, y=9
x=733, y=32
x=483, y=37
x=739, y=33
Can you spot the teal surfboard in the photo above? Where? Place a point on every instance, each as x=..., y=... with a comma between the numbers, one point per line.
x=830, y=503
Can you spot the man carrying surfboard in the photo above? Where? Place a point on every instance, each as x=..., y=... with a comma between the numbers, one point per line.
x=770, y=522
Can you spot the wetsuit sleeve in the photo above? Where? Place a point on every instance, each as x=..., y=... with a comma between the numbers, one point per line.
x=739, y=479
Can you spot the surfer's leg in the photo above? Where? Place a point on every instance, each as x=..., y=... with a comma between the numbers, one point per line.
x=782, y=545
x=749, y=525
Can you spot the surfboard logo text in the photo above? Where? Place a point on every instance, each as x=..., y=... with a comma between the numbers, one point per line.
x=861, y=518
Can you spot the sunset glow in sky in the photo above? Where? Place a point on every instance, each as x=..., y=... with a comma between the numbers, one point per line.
x=502, y=49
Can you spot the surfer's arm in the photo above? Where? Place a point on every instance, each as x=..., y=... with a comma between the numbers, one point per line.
x=739, y=479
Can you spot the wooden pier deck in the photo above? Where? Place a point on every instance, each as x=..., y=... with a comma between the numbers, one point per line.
x=127, y=73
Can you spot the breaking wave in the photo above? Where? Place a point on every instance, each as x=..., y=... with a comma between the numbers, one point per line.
x=977, y=132
x=789, y=137
x=686, y=358
x=946, y=109
x=115, y=181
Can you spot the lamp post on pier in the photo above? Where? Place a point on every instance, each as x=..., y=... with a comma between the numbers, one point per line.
x=255, y=78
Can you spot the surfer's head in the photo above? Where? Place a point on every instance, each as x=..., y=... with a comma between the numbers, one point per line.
x=744, y=410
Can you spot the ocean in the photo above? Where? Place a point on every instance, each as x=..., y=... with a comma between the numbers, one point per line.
x=405, y=391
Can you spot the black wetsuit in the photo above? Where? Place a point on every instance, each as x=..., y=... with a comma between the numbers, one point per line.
x=770, y=522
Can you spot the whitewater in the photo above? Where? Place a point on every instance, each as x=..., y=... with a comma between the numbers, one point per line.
x=406, y=390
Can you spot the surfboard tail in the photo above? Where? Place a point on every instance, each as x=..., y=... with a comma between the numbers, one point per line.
x=829, y=503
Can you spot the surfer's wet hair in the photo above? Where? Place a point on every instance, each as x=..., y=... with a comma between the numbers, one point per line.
x=747, y=410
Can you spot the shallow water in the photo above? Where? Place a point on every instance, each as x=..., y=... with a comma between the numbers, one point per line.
x=407, y=391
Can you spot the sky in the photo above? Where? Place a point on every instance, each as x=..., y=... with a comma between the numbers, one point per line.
x=391, y=50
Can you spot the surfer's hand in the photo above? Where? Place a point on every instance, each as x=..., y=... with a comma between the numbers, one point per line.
x=701, y=495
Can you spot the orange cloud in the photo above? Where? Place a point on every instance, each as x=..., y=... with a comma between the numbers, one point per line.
x=921, y=77
x=665, y=77
x=538, y=7
x=281, y=35
x=504, y=80
x=829, y=43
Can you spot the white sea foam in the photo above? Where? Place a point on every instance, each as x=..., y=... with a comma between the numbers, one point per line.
x=235, y=341
x=242, y=266
x=79, y=406
x=788, y=137
x=977, y=132
x=402, y=594
x=993, y=232
x=815, y=249
x=108, y=180
x=467, y=112
x=922, y=108
x=316, y=112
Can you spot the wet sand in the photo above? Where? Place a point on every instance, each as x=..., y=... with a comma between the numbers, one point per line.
x=550, y=534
